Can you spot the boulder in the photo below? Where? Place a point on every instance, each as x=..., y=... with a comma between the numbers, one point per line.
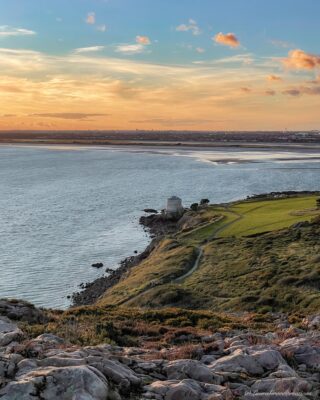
x=21, y=311
x=251, y=362
x=304, y=350
x=9, y=332
x=186, y=389
x=191, y=369
x=274, y=396
x=70, y=383
x=284, y=385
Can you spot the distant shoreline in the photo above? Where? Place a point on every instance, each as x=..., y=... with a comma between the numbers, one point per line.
x=166, y=144
x=216, y=153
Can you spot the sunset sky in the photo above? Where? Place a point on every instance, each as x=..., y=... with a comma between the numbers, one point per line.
x=160, y=64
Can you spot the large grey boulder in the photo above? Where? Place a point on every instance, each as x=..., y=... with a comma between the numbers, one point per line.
x=251, y=362
x=191, y=369
x=304, y=350
x=274, y=396
x=284, y=385
x=186, y=389
x=21, y=311
x=9, y=332
x=69, y=383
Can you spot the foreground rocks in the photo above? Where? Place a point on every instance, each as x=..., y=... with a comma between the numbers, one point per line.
x=276, y=366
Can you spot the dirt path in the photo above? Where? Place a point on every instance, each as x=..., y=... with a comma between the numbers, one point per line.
x=194, y=268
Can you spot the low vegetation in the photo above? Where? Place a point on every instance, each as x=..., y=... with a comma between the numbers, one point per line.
x=153, y=328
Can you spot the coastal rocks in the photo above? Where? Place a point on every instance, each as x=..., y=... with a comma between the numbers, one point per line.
x=21, y=311
x=186, y=389
x=67, y=383
x=250, y=362
x=312, y=322
x=93, y=290
x=284, y=385
x=228, y=366
x=304, y=351
x=9, y=332
x=191, y=369
x=275, y=396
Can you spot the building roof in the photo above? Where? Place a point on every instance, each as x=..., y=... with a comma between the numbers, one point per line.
x=174, y=198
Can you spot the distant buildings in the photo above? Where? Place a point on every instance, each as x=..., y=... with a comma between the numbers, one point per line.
x=174, y=206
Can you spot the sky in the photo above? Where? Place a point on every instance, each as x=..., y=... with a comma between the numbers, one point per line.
x=159, y=64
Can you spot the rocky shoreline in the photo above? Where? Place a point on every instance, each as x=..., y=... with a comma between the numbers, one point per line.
x=282, y=364
x=156, y=226
x=93, y=290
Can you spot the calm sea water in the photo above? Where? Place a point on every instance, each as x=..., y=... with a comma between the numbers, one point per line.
x=61, y=209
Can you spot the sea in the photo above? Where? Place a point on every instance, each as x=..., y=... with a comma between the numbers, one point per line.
x=63, y=208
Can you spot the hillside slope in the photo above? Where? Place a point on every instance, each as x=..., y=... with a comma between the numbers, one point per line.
x=272, y=271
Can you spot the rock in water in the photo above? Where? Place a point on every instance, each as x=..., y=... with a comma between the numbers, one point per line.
x=97, y=265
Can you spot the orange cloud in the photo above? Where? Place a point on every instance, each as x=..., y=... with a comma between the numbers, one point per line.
x=228, y=39
x=143, y=40
x=299, y=59
x=245, y=90
x=274, y=78
x=292, y=92
x=270, y=93
x=91, y=18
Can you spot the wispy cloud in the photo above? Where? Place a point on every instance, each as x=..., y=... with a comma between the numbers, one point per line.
x=68, y=115
x=228, y=39
x=192, y=26
x=134, y=48
x=101, y=28
x=280, y=43
x=7, y=31
x=91, y=49
x=178, y=122
x=298, y=91
x=270, y=92
x=274, y=78
x=91, y=18
x=130, y=49
x=68, y=91
x=299, y=59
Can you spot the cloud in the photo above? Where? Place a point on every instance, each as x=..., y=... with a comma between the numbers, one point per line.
x=291, y=92
x=66, y=115
x=91, y=18
x=6, y=31
x=130, y=49
x=270, y=93
x=91, y=49
x=313, y=91
x=144, y=40
x=245, y=90
x=299, y=59
x=274, y=78
x=192, y=26
x=315, y=81
x=228, y=39
x=10, y=88
x=200, y=50
x=280, y=43
x=101, y=28
x=131, y=90
x=177, y=122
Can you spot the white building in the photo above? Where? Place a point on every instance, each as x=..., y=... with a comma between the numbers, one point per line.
x=174, y=205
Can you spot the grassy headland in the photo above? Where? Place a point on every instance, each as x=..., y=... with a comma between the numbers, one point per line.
x=256, y=255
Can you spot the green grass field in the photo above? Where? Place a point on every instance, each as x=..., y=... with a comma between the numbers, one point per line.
x=250, y=217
